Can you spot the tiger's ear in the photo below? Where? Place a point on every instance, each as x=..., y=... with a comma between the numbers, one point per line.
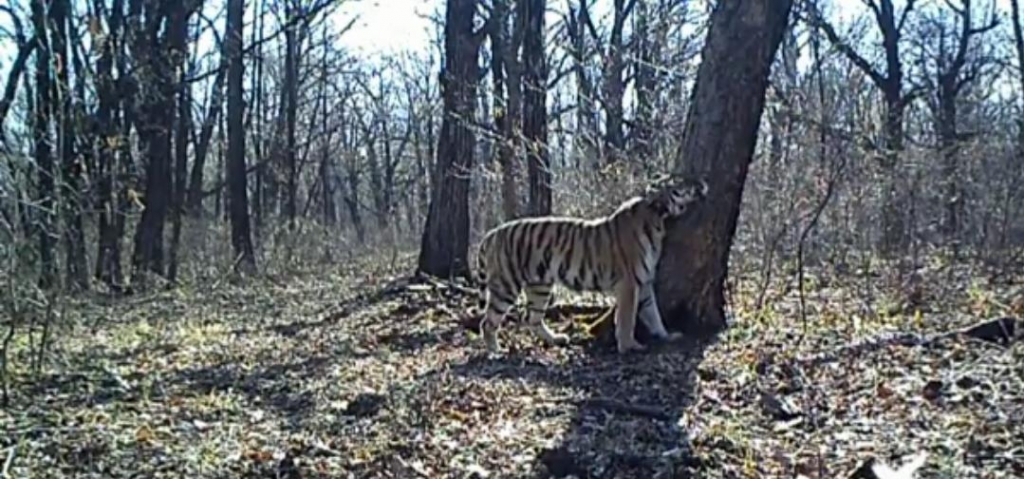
x=657, y=184
x=659, y=199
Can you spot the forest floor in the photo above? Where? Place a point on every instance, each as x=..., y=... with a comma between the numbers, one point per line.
x=353, y=372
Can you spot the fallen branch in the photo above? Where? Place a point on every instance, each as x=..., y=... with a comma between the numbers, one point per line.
x=5, y=473
x=442, y=284
x=1002, y=331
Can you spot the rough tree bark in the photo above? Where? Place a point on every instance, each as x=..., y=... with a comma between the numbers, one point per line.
x=503, y=58
x=444, y=248
x=77, y=273
x=614, y=86
x=241, y=238
x=182, y=129
x=291, y=92
x=718, y=144
x=158, y=61
x=107, y=147
x=535, y=113
x=646, y=46
x=577, y=22
x=41, y=140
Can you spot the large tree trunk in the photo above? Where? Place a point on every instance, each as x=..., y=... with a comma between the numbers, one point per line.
x=291, y=88
x=107, y=146
x=587, y=152
x=535, y=113
x=74, y=232
x=241, y=239
x=893, y=225
x=718, y=144
x=259, y=141
x=444, y=248
x=182, y=128
x=646, y=44
x=501, y=48
x=614, y=84
x=157, y=63
x=42, y=141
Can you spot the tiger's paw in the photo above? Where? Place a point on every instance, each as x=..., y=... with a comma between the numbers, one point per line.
x=673, y=336
x=491, y=344
x=559, y=339
x=627, y=346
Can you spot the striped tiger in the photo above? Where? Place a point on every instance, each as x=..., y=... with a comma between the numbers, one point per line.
x=617, y=253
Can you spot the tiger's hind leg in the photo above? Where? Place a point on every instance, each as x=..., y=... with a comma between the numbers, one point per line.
x=651, y=317
x=625, y=317
x=499, y=301
x=538, y=296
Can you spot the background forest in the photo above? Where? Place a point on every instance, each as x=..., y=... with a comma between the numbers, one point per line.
x=152, y=150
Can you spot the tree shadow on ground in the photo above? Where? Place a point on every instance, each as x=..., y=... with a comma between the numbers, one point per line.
x=276, y=387
x=625, y=415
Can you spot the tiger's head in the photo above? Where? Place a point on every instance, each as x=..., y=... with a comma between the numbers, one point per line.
x=676, y=198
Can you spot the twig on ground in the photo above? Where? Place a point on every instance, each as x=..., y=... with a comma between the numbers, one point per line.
x=114, y=376
x=617, y=406
x=830, y=189
x=999, y=331
x=5, y=473
x=442, y=284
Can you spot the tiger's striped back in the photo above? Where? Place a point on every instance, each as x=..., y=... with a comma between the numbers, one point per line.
x=605, y=254
x=582, y=255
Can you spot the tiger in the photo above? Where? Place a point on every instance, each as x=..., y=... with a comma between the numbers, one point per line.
x=617, y=254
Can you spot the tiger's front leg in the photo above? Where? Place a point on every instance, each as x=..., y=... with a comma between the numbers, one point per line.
x=651, y=317
x=538, y=298
x=625, y=317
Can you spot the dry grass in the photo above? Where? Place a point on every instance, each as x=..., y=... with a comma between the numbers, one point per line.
x=351, y=373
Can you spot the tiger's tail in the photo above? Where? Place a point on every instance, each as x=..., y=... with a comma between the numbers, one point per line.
x=479, y=272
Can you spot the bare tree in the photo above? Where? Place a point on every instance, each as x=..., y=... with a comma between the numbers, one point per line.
x=159, y=60
x=111, y=147
x=507, y=102
x=42, y=141
x=241, y=238
x=890, y=81
x=25, y=49
x=71, y=162
x=954, y=68
x=194, y=201
x=580, y=27
x=718, y=144
x=614, y=87
x=535, y=114
x=444, y=248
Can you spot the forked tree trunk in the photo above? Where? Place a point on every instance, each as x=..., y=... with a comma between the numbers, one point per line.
x=718, y=144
